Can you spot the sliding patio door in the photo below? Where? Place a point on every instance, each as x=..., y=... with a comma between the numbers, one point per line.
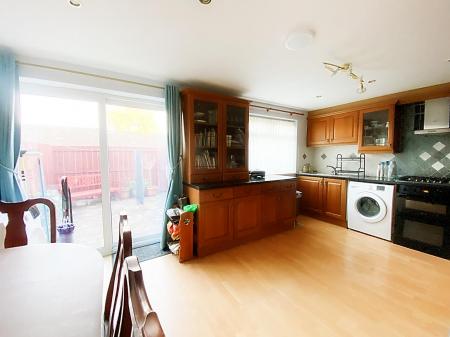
x=60, y=138
x=138, y=167
x=113, y=152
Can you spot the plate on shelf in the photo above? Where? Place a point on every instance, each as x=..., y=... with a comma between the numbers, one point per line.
x=199, y=114
x=200, y=121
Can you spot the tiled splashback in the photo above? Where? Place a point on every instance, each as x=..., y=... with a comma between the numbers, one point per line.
x=423, y=155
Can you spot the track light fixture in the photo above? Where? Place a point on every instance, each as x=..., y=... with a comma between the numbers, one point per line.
x=347, y=68
x=205, y=2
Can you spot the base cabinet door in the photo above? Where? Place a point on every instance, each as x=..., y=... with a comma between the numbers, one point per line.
x=312, y=198
x=335, y=198
x=215, y=230
x=247, y=216
x=286, y=210
x=269, y=214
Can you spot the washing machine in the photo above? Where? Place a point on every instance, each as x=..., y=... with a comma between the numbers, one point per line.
x=370, y=208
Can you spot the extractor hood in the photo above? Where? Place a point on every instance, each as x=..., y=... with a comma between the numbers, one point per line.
x=437, y=117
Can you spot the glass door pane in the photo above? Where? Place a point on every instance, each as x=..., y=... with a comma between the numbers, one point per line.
x=376, y=128
x=60, y=137
x=235, y=137
x=206, y=142
x=138, y=169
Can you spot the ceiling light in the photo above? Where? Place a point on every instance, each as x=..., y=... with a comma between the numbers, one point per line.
x=347, y=68
x=299, y=39
x=75, y=3
x=205, y=2
x=319, y=96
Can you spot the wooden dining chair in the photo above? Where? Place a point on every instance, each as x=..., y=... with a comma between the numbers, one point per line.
x=144, y=320
x=113, y=325
x=16, y=234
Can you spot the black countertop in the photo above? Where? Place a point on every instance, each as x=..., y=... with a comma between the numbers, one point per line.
x=370, y=179
x=268, y=179
x=363, y=179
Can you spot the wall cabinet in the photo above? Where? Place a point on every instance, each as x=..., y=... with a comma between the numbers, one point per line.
x=230, y=216
x=334, y=129
x=324, y=198
x=216, y=137
x=376, y=129
x=344, y=128
x=318, y=132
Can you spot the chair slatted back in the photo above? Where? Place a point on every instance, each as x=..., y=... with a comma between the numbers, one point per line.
x=114, y=302
x=16, y=234
x=144, y=320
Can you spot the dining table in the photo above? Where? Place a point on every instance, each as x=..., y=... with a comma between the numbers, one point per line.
x=51, y=290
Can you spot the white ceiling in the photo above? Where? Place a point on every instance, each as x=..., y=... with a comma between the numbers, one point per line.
x=238, y=45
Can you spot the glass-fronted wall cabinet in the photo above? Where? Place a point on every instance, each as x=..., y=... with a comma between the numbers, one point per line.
x=216, y=137
x=376, y=129
x=206, y=135
x=236, y=149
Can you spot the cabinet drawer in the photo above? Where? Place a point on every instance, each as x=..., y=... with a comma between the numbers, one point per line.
x=270, y=187
x=206, y=178
x=288, y=185
x=235, y=176
x=279, y=186
x=246, y=191
x=216, y=194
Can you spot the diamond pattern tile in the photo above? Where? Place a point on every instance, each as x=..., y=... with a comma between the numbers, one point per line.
x=425, y=156
x=448, y=156
x=304, y=156
x=323, y=156
x=439, y=146
x=437, y=166
x=438, y=155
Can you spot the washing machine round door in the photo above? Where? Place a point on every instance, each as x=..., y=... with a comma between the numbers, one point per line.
x=370, y=207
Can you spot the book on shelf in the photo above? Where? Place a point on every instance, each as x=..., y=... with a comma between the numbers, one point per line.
x=207, y=138
x=205, y=160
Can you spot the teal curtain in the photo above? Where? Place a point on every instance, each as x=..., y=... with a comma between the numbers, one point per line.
x=9, y=128
x=174, y=141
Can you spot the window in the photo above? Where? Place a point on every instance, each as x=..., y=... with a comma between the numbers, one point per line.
x=272, y=144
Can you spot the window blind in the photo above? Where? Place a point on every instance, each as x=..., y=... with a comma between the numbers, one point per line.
x=272, y=144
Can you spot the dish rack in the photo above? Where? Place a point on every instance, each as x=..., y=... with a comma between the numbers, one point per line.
x=340, y=159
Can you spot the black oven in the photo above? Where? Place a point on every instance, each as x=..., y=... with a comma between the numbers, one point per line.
x=423, y=218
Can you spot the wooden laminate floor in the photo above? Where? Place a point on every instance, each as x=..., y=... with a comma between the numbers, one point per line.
x=316, y=280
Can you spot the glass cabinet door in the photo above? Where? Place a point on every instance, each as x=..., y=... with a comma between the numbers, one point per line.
x=236, y=125
x=206, y=135
x=376, y=128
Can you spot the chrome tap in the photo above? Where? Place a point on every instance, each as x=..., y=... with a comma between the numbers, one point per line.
x=334, y=169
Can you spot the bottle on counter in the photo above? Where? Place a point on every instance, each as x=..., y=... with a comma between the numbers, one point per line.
x=392, y=170
x=384, y=169
x=379, y=171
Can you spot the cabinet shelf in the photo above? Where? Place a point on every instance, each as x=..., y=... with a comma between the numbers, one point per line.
x=205, y=125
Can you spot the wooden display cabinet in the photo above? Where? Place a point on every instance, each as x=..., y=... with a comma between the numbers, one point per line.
x=216, y=137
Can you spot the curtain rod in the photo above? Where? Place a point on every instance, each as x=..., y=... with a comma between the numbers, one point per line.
x=89, y=74
x=277, y=110
x=133, y=82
